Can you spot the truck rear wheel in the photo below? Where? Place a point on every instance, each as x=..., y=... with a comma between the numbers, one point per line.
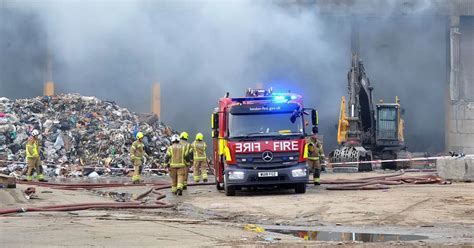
x=229, y=190
x=300, y=188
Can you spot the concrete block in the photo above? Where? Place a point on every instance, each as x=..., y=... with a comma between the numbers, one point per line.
x=455, y=139
x=452, y=126
x=467, y=150
x=451, y=111
x=465, y=126
x=469, y=114
x=458, y=111
x=7, y=181
x=454, y=148
x=462, y=111
x=456, y=169
x=465, y=140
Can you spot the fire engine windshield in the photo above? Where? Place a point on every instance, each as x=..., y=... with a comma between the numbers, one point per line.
x=262, y=125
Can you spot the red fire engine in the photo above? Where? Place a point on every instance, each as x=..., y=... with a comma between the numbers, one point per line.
x=259, y=141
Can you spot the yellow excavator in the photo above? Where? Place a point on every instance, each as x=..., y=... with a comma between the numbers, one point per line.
x=367, y=131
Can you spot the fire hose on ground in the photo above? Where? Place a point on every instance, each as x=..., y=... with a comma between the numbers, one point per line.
x=136, y=204
x=382, y=182
x=367, y=183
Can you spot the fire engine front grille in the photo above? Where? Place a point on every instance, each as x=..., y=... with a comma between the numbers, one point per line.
x=278, y=158
x=267, y=179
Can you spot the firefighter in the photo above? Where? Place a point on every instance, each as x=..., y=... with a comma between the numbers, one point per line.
x=33, y=157
x=175, y=158
x=187, y=161
x=315, y=157
x=198, y=148
x=137, y=153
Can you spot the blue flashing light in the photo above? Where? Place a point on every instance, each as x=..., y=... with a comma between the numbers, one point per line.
x=293, y=97
x=279, y=98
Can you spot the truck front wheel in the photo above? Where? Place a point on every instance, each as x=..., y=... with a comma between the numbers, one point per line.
x=229, y=190
x=300, y=188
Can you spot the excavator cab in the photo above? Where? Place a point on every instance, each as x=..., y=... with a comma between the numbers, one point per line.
x=389, y=125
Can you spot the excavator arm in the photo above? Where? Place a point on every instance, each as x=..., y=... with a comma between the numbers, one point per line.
x=343, y=125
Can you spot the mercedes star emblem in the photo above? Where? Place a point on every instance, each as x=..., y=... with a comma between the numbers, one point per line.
x=267, y=156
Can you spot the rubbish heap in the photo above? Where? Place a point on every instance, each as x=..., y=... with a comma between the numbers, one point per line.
x=79, y=134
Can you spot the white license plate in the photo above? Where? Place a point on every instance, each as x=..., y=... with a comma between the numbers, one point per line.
x=268, y=174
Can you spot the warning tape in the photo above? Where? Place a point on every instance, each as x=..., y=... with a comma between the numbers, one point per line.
x=83, y=167
x=355, y=163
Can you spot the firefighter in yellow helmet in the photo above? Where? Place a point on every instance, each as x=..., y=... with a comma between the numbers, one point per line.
x=33, y=159
x=187, y=148
x=198, y=148
x=137, y=153
x=315, y=157
x=175, y=159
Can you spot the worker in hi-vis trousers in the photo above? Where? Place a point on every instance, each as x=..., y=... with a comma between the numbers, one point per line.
x=33, y=159
x=137, y=153
x=315, y=157
x=187, y=148
x=198, y=148
x=175, y=160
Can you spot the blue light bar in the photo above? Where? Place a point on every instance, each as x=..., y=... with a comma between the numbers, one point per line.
x=279, y=98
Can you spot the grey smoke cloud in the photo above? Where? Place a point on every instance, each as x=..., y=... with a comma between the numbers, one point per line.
x=198, y=50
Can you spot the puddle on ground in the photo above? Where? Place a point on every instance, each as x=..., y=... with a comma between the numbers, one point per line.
x=348, y=236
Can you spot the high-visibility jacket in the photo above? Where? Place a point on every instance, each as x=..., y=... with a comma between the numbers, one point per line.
x=187, y=150
x=199, y=150
x=175, y=154
x=315, y=150
x=32, y=148
x=137, y=151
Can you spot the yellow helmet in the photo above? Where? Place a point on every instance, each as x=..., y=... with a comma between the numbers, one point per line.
x=199, y=136
x=184, y=135
x=139, y=135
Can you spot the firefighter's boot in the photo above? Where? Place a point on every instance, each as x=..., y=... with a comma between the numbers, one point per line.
x=41, y=178
x=136, y=179
x=204, y=176
x=173, y=190
x=316, y=175
x=185, y=185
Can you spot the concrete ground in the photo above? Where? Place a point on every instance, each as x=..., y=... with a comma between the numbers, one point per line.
x=204, y=217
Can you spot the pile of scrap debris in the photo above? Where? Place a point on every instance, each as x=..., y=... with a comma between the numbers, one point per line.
x=76, y=132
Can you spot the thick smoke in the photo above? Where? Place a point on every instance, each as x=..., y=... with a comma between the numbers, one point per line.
x=198, y=50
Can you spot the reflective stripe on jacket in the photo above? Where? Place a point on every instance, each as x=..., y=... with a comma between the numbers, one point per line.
x=186, y=150
x=137, y=151
x=199, y=150
x=315, y=151
x=176, y=154
x=32, y=148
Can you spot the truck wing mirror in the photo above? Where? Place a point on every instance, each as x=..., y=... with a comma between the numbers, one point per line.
x=314, y=117
x=215, y=124
x=315, y=130
x=293, y=117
